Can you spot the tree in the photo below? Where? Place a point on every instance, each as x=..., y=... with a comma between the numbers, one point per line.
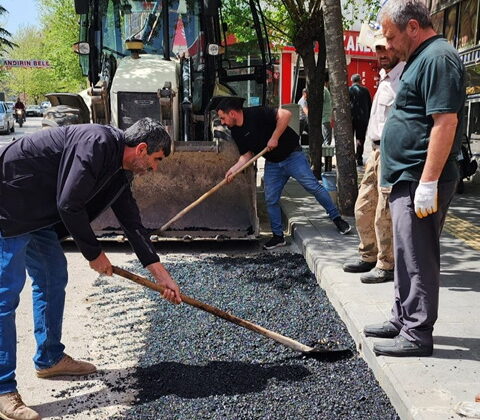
x=60, y=26
x=306, y=32
x=5, y=35
x=347, y=180
x=32, y=82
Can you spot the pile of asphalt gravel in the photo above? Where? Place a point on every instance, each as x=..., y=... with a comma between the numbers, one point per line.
x=196, y=366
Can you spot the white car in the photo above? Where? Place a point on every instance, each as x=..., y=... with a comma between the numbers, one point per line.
x=7, y=120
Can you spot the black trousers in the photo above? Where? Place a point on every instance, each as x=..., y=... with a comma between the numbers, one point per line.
x=416, y=244
x=359, y=133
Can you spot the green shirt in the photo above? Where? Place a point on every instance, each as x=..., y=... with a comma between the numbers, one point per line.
x=432, y=83
x=327, y=106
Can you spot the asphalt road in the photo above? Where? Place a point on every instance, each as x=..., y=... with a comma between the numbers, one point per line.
x=30, y=126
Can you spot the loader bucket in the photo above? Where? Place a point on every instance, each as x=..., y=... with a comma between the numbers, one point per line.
x=193, y=169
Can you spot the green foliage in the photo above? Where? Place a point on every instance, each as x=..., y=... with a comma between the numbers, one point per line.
x=60, y=29
x=352, y=9
x=5, y=41
x=51, y=41
x=33, y=82
x=279, y=25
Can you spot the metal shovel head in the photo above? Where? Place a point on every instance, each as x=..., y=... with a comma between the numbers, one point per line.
x=329, y=350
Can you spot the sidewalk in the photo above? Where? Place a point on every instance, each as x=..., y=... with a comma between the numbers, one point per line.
x=419, y=388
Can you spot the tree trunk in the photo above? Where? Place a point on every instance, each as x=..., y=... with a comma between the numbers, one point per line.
x=304, y=43
x=344, y=144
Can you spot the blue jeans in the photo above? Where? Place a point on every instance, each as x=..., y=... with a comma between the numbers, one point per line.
x=42, y=256
x=276, y=176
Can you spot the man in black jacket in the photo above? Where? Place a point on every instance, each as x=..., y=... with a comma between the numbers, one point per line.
x=59, y=180
x=360, y=105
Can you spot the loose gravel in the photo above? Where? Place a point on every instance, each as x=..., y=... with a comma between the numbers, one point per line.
x=197, y=366
x=160, y=361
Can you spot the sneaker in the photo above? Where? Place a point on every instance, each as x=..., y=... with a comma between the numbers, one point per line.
x=13, y=408
x=342, y=226
x=377, y=275
x=359, y=266
x=275, y=242
x=67, y=367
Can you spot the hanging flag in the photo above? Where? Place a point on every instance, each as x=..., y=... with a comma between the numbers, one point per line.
x=179, y=40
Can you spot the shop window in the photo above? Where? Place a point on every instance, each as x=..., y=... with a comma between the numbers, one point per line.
x=437, y=22
x=451, y=24
x=468, y=23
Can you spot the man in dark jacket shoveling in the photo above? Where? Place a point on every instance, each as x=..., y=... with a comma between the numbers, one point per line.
x=58, y=180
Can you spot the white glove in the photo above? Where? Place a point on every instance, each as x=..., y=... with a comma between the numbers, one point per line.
x=426, y=199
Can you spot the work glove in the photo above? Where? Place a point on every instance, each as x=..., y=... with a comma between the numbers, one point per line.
x=426, y=199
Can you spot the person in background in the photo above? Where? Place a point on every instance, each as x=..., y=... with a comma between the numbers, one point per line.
x=303, y=111
x=253, y=129
x=327, y=119
x=419, y=148
x=360, y=105
x=372, y=213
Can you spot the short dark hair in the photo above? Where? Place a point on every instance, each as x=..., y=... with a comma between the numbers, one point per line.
x=149, y=131
x=356, y=78
x=230, y=103
x=401, y=11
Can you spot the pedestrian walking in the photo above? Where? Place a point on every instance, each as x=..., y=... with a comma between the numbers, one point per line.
x=303, y=102
x=372, y=213
x=360, y=105
x=53, y=183
x=327, y=114
x=419, y=147
x=255, y=128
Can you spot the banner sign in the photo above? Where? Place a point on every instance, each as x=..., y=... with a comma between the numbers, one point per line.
x=35, y=64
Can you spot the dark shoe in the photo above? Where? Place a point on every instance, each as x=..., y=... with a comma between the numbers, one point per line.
x=377, y=275
x=359, y=266
x=385, y=330
x=275, y=242
x=401, y=347
x=342, y=226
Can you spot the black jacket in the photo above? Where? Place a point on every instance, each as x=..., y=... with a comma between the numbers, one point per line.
x=360, y=102
x=70, y=175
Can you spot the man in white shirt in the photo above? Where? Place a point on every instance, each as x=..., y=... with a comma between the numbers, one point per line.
x=372, y=214
x=303, y=111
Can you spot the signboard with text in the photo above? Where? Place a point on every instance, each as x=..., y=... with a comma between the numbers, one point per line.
x=32, y=64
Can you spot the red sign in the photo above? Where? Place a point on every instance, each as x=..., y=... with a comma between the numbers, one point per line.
x=352, y=46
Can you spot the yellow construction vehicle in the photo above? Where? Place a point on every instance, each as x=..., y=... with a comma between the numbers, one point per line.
x=166, y=60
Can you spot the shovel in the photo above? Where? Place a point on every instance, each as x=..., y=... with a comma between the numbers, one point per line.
x=320, y=348
x=209, y=192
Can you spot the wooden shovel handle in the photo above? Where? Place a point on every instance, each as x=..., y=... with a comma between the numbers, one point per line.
x=286, y=341
x=210, y=192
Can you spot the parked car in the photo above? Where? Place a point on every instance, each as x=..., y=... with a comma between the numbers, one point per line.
x=34, y=111
x=10, y=105
x=7, y=121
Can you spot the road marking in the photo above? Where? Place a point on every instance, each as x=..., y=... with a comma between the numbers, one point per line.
x=461, y=229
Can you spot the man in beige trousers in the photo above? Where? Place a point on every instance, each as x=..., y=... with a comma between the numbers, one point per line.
x=372, y=214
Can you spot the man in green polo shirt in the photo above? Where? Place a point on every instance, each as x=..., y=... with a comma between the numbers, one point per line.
x=419, y=145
